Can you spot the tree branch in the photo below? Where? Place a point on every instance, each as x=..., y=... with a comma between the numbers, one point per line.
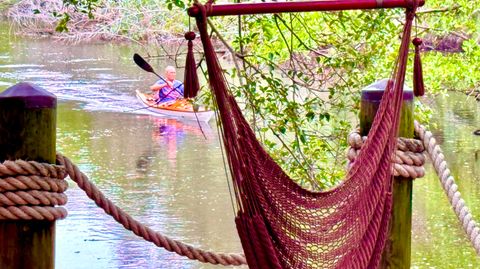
x=444, y=9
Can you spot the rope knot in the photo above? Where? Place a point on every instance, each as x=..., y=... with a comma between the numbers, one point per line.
x=413, y=5
x=32, y=191
x=410, y=15
x=408, y=160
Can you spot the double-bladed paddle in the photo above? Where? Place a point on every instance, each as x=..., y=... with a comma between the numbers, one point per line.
x=147, y=67
x=144, y=65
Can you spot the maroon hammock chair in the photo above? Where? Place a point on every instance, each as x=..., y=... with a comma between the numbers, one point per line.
x=282, y=225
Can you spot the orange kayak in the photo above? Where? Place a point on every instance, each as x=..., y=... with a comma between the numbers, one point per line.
x=178, y=109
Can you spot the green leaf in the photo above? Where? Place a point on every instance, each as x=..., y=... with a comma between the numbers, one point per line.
x=62, y=24
x=303, y=138
x=310, y=115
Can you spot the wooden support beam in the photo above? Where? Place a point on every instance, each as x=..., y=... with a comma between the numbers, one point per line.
x=398, y=246
x=300, y=6
x=27, y=131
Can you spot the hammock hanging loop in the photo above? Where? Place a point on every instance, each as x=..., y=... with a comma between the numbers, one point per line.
x=414, y=4
x=199, y=10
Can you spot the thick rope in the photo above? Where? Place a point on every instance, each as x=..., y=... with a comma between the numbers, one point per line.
x=32, y=191
x=448, y=183
x=32, y=183
x=141, y=230
x=408, y=160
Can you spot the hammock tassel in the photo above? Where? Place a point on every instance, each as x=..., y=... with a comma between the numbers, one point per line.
x=418, y=85
x=191, y=79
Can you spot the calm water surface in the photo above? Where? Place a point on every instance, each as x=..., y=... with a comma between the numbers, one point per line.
x=168, y=176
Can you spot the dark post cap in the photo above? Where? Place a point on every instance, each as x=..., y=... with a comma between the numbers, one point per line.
x=374, y=92
x=32, y=95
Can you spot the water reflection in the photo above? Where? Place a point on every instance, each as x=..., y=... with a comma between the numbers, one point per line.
x=438, y=238
x=162, y=171
x=167, y=136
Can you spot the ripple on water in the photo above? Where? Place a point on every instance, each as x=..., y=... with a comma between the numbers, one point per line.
x=18, y=66
x=5, y=83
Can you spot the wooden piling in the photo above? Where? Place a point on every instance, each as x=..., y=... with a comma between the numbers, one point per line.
x=398, y=246
x=28, y=132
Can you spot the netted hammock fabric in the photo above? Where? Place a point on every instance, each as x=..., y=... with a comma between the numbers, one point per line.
x=282, y=225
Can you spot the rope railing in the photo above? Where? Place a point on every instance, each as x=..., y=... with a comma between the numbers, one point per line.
x=35, y=191
x=449, y=186
x=140, y=229
x=408, y=160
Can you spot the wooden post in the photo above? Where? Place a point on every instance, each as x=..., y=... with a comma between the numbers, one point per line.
x=398, y=246
x=27, y=131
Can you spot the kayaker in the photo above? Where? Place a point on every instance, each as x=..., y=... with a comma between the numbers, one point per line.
x=169, y=89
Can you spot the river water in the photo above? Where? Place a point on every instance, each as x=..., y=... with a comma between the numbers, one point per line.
x=166, y=174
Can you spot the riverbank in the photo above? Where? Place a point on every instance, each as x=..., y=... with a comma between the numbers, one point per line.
x=144, y=23
x=119, y=21
x=5, y=5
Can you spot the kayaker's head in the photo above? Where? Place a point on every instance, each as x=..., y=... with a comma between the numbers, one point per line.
x=170, y=73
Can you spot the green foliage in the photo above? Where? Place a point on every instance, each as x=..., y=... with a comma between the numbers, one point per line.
x=176, y=3
x=303, y=76
x=460, y=16
x=62, y=24
x=460, y=72
x=461, y=24
x=302, y=73
x=145, y=20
